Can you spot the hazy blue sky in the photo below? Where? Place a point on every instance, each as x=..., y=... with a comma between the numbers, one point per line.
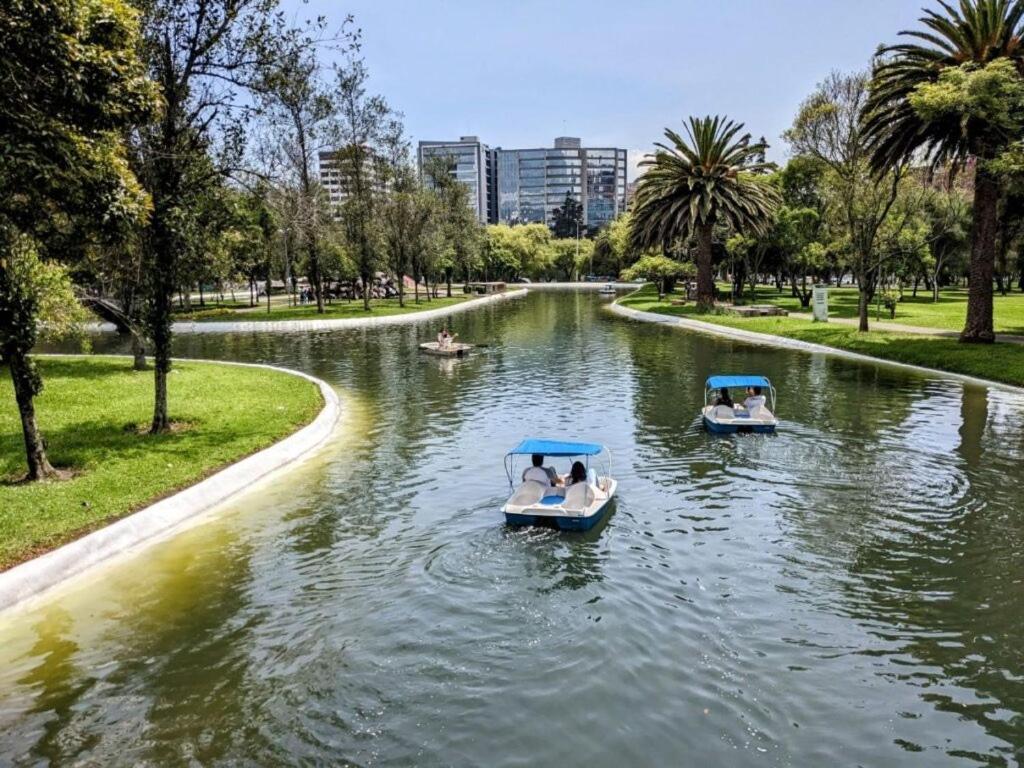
x=518, y=74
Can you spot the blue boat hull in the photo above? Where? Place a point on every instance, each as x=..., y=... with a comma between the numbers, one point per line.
x=562, y=523
x=731, y=429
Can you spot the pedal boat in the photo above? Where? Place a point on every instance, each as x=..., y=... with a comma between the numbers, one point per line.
x=577, y=508
x=455, y=349
x=722, y=419
x=607, y=290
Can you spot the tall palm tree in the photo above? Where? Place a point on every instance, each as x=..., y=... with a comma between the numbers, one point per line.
x=693, y=184
x=979, y=32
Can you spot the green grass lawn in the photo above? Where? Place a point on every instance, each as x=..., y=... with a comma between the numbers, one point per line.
x=336, y=310
x=997, y=362
x=947, y=314
x=91, y=412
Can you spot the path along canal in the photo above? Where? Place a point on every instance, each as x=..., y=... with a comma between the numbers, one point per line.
x=849, y=591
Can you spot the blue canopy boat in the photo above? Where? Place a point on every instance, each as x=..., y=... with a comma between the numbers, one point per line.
x=545, y=496
x=753, y=415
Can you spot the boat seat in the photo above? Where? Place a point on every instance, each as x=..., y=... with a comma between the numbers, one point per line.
x=530, y=492
x=720, y=412
x=578, y=497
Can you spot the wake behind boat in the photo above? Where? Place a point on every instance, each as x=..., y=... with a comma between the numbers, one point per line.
x=575, y=501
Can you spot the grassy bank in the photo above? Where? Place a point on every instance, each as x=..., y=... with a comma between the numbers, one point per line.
x=946, y=314
x=93, y=412
x=998, y=362
x=338, y=309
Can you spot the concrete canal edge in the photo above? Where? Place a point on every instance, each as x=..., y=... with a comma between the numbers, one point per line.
x=332, y=324
x=761, y=339
x=170, y=516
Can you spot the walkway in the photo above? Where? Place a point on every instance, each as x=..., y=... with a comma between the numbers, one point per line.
x=879, y=325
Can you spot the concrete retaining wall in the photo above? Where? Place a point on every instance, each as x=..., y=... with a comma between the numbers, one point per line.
x=765, y=339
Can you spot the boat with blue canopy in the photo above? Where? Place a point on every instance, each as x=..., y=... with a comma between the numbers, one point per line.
x=753, y=414
x=545, y=496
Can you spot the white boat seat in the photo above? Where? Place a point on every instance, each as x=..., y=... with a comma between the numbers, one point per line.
x=578, y=497
x=720, y=412
x=530, y=492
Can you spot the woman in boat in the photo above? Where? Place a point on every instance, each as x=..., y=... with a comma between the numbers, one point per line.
x=754, y=399
x=724, y=398
x=445, y=339
x=578, y=474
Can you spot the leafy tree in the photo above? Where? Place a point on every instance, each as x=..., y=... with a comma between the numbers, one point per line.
x=461, y=230
x=956, y=93
x=661, y=271
x=829, y=130
x=72, y=85
x=692, y=185
x=570, y=257
x=301, y=114
x=362, y=126
x=200, y=53
x=567, y=220
x=613, y=250
x=408, y=216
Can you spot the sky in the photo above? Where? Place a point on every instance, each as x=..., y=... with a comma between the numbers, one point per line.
x=518, y=74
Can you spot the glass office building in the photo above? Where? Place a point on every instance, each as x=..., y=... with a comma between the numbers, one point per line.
x=475, y=165
x=532, y=183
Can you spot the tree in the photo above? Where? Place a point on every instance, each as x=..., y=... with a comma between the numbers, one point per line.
x=828, y=128
x=613, y=251
x=659, y=270
x=72, y=84
x=407, y=218
x=459, y=225
x=301, y=114
x=955, y=95
x=363, y=122
x=200, y=53
x=692, y=185
x=567, y=220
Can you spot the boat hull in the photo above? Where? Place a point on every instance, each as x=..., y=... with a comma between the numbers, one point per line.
x=563, y=523
x=733, y=429
x=455, y=350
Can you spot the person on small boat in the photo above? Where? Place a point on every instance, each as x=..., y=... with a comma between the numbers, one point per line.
x=755, y=399
x=724, y=398
x=444, y=339
x=578, y=474
x=546, y=476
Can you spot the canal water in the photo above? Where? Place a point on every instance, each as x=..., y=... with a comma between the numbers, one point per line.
x=847, y=592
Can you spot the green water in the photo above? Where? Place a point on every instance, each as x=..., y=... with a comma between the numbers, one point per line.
x=849, y=591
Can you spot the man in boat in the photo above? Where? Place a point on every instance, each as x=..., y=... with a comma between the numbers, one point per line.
x=546, y=476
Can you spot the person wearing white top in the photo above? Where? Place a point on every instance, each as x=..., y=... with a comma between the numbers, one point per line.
x=755, y=399
x=539, y=473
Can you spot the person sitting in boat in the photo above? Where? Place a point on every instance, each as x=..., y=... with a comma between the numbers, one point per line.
x=755, y=400
x=444, y=339
x=546, y=476
x=724, y=398
x=578, y=474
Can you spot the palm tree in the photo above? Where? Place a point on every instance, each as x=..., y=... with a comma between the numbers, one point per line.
x=693, y=185
x=980, y=32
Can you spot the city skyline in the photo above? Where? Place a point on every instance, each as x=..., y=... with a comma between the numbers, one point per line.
x=518, y=74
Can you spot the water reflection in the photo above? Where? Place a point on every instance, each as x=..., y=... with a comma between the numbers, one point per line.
x=847, y=591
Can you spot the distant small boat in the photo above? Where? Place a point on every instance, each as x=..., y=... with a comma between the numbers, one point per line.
x=454, y=349
x=608, y=290
x=725, y=419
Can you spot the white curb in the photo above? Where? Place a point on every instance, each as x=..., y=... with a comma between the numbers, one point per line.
x=328, y=324
x=175, y=513
x=761, y=339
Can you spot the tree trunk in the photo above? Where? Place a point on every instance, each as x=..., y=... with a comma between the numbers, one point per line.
x=160, y=319
x=26, y=386
x=366, y=293
x=138, y=352
x=401, y=288
x=863, y=305
x=705, y=274
x=984, y=228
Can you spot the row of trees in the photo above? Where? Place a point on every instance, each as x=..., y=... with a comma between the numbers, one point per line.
x=860, y=194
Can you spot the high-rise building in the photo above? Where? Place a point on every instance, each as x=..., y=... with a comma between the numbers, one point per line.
x=335, y=176
x=532, y=183
x=475, y=165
